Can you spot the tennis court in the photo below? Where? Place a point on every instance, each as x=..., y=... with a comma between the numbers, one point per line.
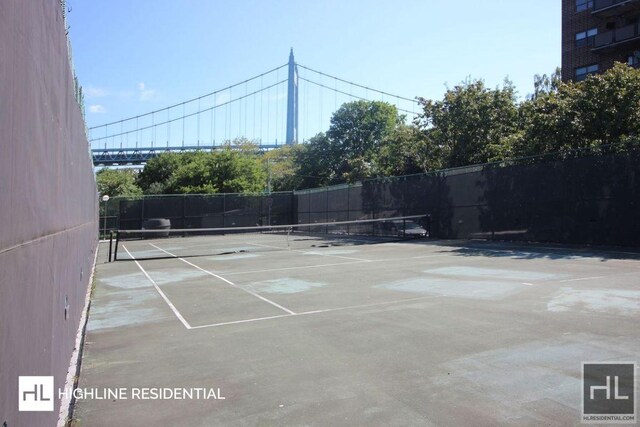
x=392, y=333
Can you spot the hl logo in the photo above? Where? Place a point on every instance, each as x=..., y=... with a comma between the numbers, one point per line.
x=35, y=394
x=608, y=392
x=607, y=388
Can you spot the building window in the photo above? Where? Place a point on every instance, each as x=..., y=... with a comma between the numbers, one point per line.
x=586, y=38
x=583, y=5
x=633, y=60
x=583, y=72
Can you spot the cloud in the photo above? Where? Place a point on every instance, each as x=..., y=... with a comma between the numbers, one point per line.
x=95, y=92
x=145, y=93
x=97, y=109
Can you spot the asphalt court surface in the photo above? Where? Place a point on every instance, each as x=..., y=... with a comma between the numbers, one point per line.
x=405, y=333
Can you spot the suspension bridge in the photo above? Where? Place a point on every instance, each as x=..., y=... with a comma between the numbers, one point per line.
x=285, y=105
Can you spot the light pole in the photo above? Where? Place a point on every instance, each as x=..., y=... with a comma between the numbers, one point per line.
x=105, y=199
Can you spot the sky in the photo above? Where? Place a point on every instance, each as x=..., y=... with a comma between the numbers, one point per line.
x=133, y=57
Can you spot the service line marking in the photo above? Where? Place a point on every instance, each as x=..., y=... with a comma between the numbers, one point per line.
x=301, y=267
x=162, y=294
x=307, y=313
x=583, y=278
x=275, y=304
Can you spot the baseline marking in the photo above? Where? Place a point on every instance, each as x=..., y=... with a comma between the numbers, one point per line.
x=226, y=281
x=307, y=313
x=162, y=294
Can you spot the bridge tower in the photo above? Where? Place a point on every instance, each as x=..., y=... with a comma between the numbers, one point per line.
x=292, y=102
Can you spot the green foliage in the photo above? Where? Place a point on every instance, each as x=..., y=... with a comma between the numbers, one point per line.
x=315, y=162
x=603, y=109
x=407, y=151
x=234, y=169
x=472, y=123
x=356, y=133
x=281, y=167
x=117, y=182
x=154, y=177
x=544, y=84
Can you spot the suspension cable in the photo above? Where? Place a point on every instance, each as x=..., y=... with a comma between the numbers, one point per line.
x=185, y=116
x=349, y=94
x=190, y=100
x=357, y=85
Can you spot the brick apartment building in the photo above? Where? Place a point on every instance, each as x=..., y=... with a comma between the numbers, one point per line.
x=597, y=33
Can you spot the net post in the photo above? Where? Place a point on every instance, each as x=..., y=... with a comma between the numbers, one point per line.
x=427, y=225
x=110, y=244
x=115, y=250
x=404, y=228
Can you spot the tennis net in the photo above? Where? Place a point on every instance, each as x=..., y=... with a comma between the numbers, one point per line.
x=195, y=242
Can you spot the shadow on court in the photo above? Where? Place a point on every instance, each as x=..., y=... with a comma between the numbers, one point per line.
x=400, y=333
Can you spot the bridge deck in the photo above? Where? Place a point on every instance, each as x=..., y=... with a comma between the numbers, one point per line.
x=140, y=155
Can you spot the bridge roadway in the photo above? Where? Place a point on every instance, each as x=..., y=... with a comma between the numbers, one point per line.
x=137, y=156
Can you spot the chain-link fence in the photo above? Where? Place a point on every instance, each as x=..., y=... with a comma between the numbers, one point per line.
x=199, y=210
x=580, y=197
x=563, y=197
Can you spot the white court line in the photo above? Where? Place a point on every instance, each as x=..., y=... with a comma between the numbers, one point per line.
x=584, y=278
x=310, y=252
x=303, y=267
x=155, y=285
x=269, y=270
x=430, y=256
x=528, y=284
x=226, y=281
x=306, y=313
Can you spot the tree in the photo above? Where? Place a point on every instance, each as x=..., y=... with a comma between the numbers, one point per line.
x=233, y=168
x=155, y=176
x=545, y=84
x=281, y=167
x=407, y=151
x=608, y=105
x=348, y=150
x=472, y=124
x=356, y=132
x=224, y=171
x=316, y=162
x=601, y=110
x=117, y=182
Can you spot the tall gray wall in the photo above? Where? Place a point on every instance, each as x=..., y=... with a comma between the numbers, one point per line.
x=48, y=203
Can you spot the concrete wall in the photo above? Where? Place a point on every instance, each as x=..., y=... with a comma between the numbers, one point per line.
x=48, y=203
